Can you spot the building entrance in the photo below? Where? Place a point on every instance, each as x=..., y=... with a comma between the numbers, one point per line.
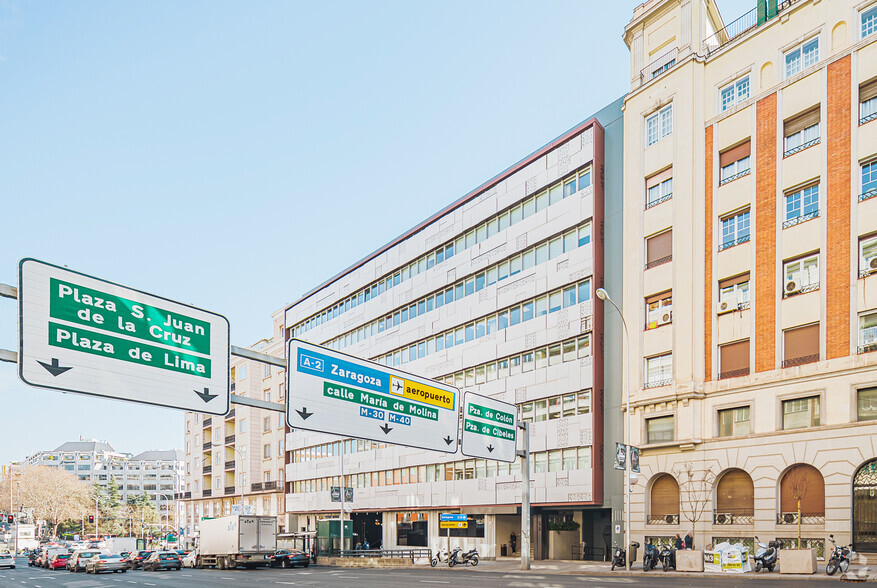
x=865, y=508
x=367, y=526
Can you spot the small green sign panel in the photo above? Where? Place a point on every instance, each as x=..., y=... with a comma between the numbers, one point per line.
x=80, y=333
x=489, y=428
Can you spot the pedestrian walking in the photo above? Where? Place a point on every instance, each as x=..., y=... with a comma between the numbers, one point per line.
x=689, y=540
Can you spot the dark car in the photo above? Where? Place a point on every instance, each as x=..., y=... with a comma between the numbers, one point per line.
x=289, y=558
x=32, y=557
x=162, y=560
x=136, y=558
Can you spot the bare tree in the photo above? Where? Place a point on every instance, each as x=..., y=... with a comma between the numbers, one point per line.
x=798, y=489
x=54, y=495
x=695, y=491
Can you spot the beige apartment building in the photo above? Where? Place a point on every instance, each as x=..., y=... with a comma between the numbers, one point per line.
x=241, y=453
x=750, y=240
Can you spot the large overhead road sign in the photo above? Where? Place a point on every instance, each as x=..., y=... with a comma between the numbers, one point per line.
x=78, y=333
x=331, y=392
x=489, y=429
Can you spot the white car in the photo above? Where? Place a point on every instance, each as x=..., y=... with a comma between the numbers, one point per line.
x=7, y=561
x=190, y=560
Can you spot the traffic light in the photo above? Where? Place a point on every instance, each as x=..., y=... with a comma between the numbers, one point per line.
x=90, y=519
x=10, y=519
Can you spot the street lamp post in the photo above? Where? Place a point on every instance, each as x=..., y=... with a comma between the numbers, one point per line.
x=602, y=294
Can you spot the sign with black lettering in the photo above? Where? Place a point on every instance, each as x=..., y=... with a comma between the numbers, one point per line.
x=331, y=392
x=489, y=428
x=79, y=333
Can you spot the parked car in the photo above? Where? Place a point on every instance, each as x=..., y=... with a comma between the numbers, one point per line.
x=190, y=560
x=59, y=561
x=106, y=562
x=7, y=561
x=136, y=558
x=289, y=558
x=76, y=562
x=162, y=560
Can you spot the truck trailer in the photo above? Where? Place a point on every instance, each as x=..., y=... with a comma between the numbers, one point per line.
x=237, y=540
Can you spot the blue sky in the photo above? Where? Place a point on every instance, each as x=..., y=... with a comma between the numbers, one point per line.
x=233, y=155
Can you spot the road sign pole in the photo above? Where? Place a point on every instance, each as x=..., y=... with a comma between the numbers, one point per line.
x=525, y=497
x=341, y=513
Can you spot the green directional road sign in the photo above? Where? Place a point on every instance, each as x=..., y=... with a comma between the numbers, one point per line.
x=82, y=334
x=332, y=392
x=489, y=428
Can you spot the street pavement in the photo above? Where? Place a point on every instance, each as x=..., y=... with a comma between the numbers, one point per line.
x=488, y=574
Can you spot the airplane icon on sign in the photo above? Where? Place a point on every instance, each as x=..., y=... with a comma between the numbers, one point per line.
x=397, y=386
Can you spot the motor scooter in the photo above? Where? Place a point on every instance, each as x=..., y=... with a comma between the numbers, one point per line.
x=619, y=556
x=651, y=556
x=841, y=555
x=463, y=558
x=668, y=557
x=766, y=555
x=440, y=556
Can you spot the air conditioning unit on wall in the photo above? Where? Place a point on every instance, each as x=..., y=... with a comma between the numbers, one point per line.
x=791, y=286
x=665, y=318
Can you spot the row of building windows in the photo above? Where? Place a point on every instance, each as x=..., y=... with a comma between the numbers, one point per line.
x=563, y=297
x=526, y=361
x=575, y=458
x=534, y=255
x=797, y=413
x=567, y=186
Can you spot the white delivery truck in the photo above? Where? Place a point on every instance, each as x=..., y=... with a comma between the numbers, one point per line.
x=237, y=540
x=120, y=544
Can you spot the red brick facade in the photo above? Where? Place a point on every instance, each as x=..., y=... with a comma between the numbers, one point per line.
x=765, y=234
x=837, y=212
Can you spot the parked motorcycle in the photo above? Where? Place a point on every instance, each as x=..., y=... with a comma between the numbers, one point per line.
x=766, y=555
x=651, y=557
x=668, y=557
x=463, y=558
x=440, y=556
x=840, y=557
x=619, y=556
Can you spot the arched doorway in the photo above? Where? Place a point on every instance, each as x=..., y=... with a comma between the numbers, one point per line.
x=865, y=507
x=735, y=499
x=664, y=501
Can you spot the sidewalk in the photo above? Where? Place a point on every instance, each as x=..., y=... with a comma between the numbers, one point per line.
x=510, y=565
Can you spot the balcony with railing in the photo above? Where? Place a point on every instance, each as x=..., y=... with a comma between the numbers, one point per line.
x=229, y=490
x=791, y=518
x=657, y=262
x=229, y=439
x=256, y=487
x=659, y=65
x=207, y=422
x=867, y=195
x=739, y=27
x=207, y=446
x=229, y=465
x=734, y=242
x=207, y=469
x=271, y=485
x=801, y=218
x=867, y=340
x=207, y=493
x=663, y=519
x=734, y=373
x=742, y=516
x=800, y=360
x=230, y=415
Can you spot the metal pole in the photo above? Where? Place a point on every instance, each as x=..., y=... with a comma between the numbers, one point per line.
x=525, y=498
x=603, y=295
x=341, y=514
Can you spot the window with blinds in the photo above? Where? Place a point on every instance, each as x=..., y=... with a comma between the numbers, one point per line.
x=801, y=345
x=664, y=500
x=868, y=101
x=734, y=162
x=734, y=359
x=806, y=482
x=735, y=498
x=801, y=131
x=659, y=249
x=660, y=429
x=659, y=187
